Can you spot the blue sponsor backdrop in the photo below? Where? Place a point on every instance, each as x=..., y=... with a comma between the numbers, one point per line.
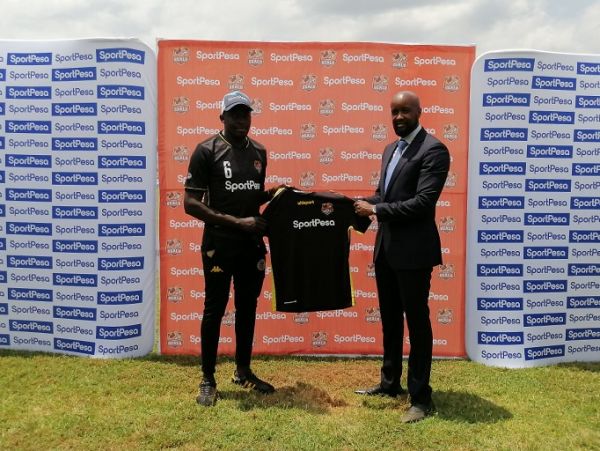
x=534, y=213
x=77, y=197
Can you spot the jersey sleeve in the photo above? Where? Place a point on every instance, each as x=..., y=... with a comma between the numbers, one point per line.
x=198, y=170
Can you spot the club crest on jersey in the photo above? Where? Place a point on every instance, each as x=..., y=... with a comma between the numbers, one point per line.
x=327, y=208
x=258, y=166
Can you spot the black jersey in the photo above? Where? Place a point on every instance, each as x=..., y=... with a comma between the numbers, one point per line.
x=309, y=239
x=232, y=178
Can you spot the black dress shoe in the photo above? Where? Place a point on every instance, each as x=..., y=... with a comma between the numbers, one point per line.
x=378, y=390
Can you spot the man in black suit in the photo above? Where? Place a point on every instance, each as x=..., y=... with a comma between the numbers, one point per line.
x=407, y=247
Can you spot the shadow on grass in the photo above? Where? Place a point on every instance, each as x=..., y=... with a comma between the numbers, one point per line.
x=593, y=367
x=468, y=408
x=301, y=396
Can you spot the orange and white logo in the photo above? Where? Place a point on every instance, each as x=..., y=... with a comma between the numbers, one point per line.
x=372, y=315
x=229, y=318
x=327, y=208
x=173, y=199
x=380, y=132
x=328, y=57
x=451, y=83
x=399, y=60
x=447, y=224
x=444, y=316
x=446, y=271
x=174, y=247
x=326, y=155
x=175, y=294
x=450, y=180
x=301, y=318
x=255, y=57
x=319, y=339
x=380, y=83
x=374, y=178
x=309, y=82
x=308, y=131
x=451, y=132
x=174, y=339
x=181, y=104
x=257, y=106
x=326, y=107
x=371, y=270
x=307, y=179
x=181, y=154
x=235, y=82
x=181, y=55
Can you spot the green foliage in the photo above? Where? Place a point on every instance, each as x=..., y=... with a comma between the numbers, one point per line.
x=61, y=402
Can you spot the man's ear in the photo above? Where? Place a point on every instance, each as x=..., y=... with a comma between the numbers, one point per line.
x=221, y=117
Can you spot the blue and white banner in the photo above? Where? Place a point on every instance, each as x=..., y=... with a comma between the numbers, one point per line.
x=77, y=196
x=533, y=250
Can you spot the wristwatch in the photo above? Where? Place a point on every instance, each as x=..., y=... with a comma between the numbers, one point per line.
x=374, y=210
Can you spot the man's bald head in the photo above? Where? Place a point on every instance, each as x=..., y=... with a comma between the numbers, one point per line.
x=406, y=111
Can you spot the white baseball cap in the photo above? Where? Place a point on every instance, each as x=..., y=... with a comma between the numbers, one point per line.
x=235, y=98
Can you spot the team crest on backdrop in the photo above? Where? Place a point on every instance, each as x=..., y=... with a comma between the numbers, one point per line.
x=326, y=155
x=181, y=154
x=181, y=104
x=308, y=131
x=235, y=82
x=451, y=83
x=301, y=318
x=173, y=199
x=174, y=247
x=255, y=57
x=309, y=82
x=380, y=83
x=326, y=107
x=379, y=132
x=175, y=294
x=307, y=179
x=174, y=339
x=181, y=55
x=399, y=60
x=444, y=316
x=319, y=339
x=446, y=271
x=447, y=224
x=228, y=318
x=372, y=315
x=374, y=178
x=257, y=106
x=328, y=57
x=450, y=132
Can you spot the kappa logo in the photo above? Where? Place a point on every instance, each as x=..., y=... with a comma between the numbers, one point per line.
x=175, y=294
x=380, y=83
x=379, y=132
x=258, y=166
x=181, y=104
x=446, y=271
x=326, y=155
x=450, y=132
x=257, y=106
x=328, y=58
x=216, y=269
x=173, y=199
x=399, y=60
x=236, y=82
x=174, y=247
x=444, y=316
x=451, y=83
x=174, y=339
x=181, y=154
x=307, y=179
x=450, y=180
x=308, y=82
x=372, y=315
x=447, y=224
x=326, y=107
x=374, y=178
x=319, y=339
x=301, y=318
x=371, y=270
x=308, y=131
x=255, y=57
x=327, y=208
x=229, y=318
x=181, y=55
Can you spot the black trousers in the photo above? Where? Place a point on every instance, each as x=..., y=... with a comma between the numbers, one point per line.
x=405, y=293
x=223, y=260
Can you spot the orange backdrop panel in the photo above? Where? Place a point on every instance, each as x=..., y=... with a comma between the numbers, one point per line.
x=322, y=111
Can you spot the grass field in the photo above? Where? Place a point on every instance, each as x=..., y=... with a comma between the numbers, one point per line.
x=61, y=402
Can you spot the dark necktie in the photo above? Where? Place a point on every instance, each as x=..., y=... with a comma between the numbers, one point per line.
x=394, y=161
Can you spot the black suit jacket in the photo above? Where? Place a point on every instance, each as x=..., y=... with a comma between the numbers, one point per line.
x=407, y=234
